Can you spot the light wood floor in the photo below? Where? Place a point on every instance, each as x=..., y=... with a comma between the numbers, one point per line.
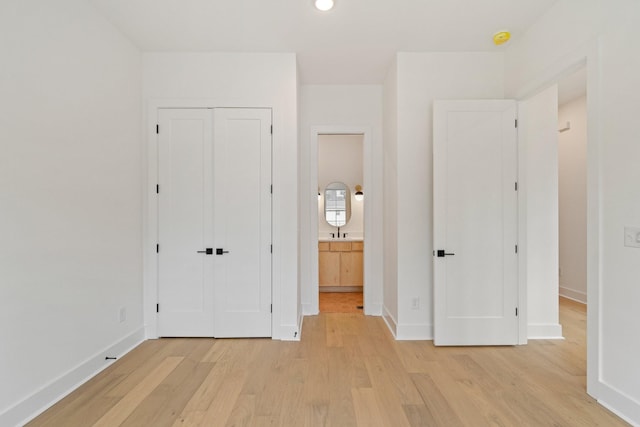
x=346, y=371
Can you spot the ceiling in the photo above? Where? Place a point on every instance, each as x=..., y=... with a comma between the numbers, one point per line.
x=352, y=44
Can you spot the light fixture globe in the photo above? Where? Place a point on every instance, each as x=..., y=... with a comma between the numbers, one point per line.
x=323, y=5
x=359, y=196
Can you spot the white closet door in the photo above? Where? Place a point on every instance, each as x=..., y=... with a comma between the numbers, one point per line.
x=242, y=222
x=185, y=212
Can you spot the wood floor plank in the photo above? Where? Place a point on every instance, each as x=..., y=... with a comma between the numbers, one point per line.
x=164, y=405
x=116, y=415
x=221, y=408
x=439, y=410
x=243, y=411
x=366, y=407
x=346, y=371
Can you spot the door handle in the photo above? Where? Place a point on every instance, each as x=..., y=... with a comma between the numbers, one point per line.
x=442, y=253
x=208, y=251
x=220, y=251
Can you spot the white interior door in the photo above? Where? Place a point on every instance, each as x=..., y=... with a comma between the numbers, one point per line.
x=475, y=223
x=185, y=292
x=242, y=230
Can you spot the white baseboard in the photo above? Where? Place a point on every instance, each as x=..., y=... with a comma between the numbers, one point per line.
x=49, y=394
x=290, y=332
x=308, y=310
x=573, y=294
x=373, y=309
x=619, y=403
x=414, y=332
x=544, y=331
x=390, y=321
x=406, y=332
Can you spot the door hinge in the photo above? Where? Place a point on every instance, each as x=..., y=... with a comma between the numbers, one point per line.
x=271, y=248
x=272, y=308
x=271, y=189
x=516, y=122
x=157, y=188
x=157, y=129
x=516, y=311
x=516, y=248
x=157, y=248
x=271, y=129
x=157, y=308
x=516, y=186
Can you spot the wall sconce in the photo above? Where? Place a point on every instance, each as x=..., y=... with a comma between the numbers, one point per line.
x=359, y=195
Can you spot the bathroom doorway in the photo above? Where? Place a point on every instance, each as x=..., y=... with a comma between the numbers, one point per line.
x=340, y=223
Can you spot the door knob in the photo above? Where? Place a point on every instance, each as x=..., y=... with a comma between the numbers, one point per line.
x=220, y=251
x=442, y=253
x=208, y=251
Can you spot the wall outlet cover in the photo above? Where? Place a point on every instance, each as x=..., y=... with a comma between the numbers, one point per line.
x=632, y=237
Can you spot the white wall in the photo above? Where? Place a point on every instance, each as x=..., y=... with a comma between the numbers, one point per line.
x=343, y=108
x=70, y=211
x=422, y=78
x=607, y=35
x=572, y=196
x=239, y=80
x=340, y=160
x=538, y=213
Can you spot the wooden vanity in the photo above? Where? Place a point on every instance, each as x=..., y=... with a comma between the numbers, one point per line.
x=340, y=266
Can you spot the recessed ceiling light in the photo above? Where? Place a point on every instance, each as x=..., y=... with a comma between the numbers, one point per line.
x=323, y=5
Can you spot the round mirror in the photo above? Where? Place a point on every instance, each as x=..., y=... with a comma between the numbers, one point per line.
x=337, y=204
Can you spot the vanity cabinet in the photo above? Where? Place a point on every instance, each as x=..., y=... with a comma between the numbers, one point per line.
x=340, y=263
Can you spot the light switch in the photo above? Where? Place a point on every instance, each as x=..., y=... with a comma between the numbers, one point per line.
x=632, y=237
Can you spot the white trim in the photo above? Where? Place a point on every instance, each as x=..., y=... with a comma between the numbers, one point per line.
x=33, y=405
x=523, y=311
x=620, y=404
x=414, y=332
x=374, y=309
x=572, y=294
x=544, y=331
x=391, y=322
x=370, y=307
x=309, y=310
x=290, y=332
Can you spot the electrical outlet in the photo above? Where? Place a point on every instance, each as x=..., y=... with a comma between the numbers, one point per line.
x=122, y=314
x=632, y=237
x=415, y=303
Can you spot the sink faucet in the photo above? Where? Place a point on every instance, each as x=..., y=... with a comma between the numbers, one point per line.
x=333, y=235
x=338, y=232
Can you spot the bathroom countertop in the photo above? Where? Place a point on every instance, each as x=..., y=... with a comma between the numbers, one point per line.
x=348, y=239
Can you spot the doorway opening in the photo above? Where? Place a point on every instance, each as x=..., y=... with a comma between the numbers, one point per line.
x=572, y=204
x=340, y=223
x=572, y=186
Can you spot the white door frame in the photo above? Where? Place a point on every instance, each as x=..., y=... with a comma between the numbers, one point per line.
x=370, y=307
x=150, y=211
x=590, y=57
